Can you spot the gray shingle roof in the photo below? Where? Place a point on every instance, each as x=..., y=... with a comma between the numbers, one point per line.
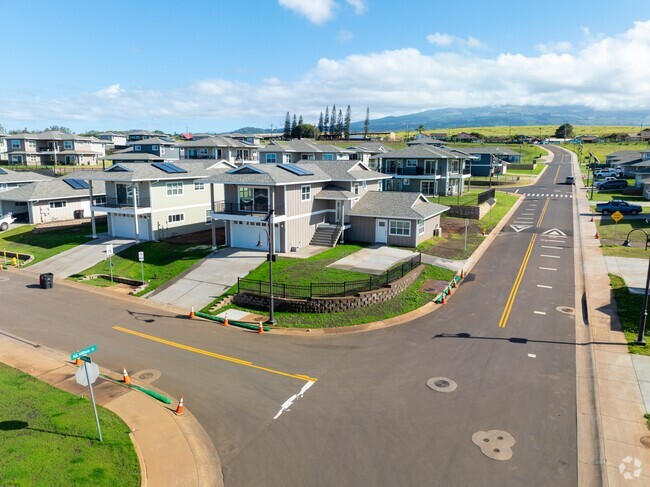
x=330, y=192
x=154, y=141
x=54, y=135
x=55, y=188
x=137, y=171
x=217, y=141
x=624, y=157
x=131, y=155
x=420, y=151
x=396, y=204
x=299, y=145
x=21, y=176
x=487, y=149
x=426, y=140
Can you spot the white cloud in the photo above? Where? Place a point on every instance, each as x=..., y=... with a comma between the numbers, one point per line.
x=359, y=6
x=447, y=40
x=554, y=47
x=316, y=11
x=344, y=36
x=606, y=74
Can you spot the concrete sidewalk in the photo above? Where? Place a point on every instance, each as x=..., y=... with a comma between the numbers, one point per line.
x=172, y=450
x=633, y=271
x=79, y=258
x=610, y=403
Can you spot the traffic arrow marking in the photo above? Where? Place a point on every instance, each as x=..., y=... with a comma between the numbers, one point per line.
x=519, y=228
x=554, y=231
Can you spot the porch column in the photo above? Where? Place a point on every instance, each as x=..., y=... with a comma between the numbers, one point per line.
x=213, y=225
x=343, y=223
x=92, y=212
x=135, y=212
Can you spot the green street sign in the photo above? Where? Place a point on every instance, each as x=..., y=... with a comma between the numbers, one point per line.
x=86, y=359
x=85, y=351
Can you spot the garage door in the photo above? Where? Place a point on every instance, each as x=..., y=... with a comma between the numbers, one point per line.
x=245, y=235
x=122, y=226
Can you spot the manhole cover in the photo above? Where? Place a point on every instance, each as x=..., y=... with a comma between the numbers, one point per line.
x=442, y=384
x=495, y=444
x=566, y=310
x=147, y=375
x=645, y=441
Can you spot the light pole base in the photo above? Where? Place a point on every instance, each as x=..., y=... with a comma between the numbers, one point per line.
x=270, y=322
x=641, y=344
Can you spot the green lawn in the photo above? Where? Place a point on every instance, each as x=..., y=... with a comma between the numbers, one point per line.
x=44, y=245
x=629, y=311
x=611, y=195
x=162, y=262
x=407, y=301
x=539, y=167
x=612, y=247
x=602, y=150
x=49, y=437
x=469, y=198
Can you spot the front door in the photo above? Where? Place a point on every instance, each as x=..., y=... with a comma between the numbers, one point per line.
x=337, y=213
x=381, y=231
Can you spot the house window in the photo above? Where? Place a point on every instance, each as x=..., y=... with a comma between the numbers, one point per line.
x=411, y=163
x=208, y=216
x=328, y=157
x=175, y=189
x=287, y=158
x=199, y=186
x=31, y=144
x=162, y=150
x=176, y=218
x=58, y=204
x=32, y=158
x=137, y=148
x=203, y=152
x=154, y=147
x=253, y=199
x=406, y=182
x=355, y=188
x=15, y=144
x=70, y=159
x=400, y=228
x=305, y=192
x=67, y=144
x=308, y=157
x=420, y=227
x=271, y=158
x=364, y=185
x=428, y=188
x=101, y=200
x=17, y=159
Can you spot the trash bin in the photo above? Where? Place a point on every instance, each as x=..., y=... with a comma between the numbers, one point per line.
x=46, y=280
x=78, y=214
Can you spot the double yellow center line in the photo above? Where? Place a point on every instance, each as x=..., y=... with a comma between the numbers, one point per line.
x=225, y=358
x=522, y=270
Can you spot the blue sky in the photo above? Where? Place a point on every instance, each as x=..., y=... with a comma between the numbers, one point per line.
x=219, y=65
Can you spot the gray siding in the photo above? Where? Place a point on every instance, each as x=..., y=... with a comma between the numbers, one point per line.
x=362, y=229
x=300, y=231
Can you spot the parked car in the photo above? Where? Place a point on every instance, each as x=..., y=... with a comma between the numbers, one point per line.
x=616, y=184
x=603, y=173
x=570, y=180
x=601, y=181
x=618, y=205
x=6, y=220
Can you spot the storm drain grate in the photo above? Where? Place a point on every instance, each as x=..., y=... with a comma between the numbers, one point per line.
x=442, y=384
x=566, y=310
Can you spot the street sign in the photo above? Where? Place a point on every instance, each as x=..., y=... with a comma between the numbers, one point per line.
x=617, y=216
x=85, y=358
x=83, y=378
x=141, y=256
x=85, y=351
x=109, y=249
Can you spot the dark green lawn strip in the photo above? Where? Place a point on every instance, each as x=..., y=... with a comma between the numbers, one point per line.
x=49, y=437
x=629, y=311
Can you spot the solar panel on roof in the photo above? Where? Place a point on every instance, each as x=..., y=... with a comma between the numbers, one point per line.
x=2, y=171
x=297, y=170
x=168, y=167
x=77, y=183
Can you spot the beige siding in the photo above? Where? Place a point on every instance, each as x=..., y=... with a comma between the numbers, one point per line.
x=293, y=199
x=192, y=204
x=429, y=226
x=42, y=212
x=363, y=230
x=300, y=231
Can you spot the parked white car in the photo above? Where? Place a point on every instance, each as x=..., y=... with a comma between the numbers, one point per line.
x=6, y=220
x=603, y=173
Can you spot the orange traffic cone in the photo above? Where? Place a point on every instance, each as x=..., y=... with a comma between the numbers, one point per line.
x=179, y=408
x=260, y=329
x=126, y=379
x=462, y=273
x=225, y=320
x=444, y=299
x=597, y=235
x=192, y=312
x=592, y=217
x=78, y=362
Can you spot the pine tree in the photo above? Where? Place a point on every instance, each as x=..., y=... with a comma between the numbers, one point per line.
x=300, y=120
x=320, y=123
x=339, y=125
x=326, y=122
x=346, y=124
x=294, y=123
x=332, y=128
x=366, y=124
x=287, y=127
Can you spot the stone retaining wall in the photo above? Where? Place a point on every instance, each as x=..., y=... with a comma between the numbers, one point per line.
x=330, y=305
x=471, y=212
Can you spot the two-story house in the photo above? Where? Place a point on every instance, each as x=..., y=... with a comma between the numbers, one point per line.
x=220, y=147
x=152, y=201
x=294, y=151
x=3, y=148
x=137, y=135
x=318, y=203
x=52, y=147
x=13, y=179
x=157, y=149
x=114, y=140
x=491, y=159
x=628, y=161
x=425, y=169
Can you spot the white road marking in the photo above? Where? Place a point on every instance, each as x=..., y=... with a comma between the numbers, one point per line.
x=551, y=247
x=539, y=312
x=519, y=228
x=548, y=269
x=551, y=256
x=545, y=287
x=532, y=355
x=289, y=402
x=528, y=214
x=554, y=231
x=516, y=191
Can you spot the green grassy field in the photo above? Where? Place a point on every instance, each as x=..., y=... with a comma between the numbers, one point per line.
x=49, y=437
x=607, y=227
x=602, y=150
x=162, y=262
x=629, y=311
x=530, y=130
x=44, y=245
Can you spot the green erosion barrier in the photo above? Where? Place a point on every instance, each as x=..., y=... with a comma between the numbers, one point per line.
x=240, y=324
x=455, y=282
x=149, y=392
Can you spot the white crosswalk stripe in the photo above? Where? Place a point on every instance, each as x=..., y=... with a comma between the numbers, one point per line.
x=547, y=195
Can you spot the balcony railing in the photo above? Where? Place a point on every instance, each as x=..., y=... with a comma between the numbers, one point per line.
x=256, y=209
x=124, y=203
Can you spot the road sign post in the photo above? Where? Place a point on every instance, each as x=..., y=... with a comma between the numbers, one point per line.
x=616, y=216
x=92, y=398
x=466, y=224
x=109, y=252
x=141, y=259
x=90, y=374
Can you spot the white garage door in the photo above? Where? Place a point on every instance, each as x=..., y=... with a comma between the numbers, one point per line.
x=122, y=226
x=245, y=235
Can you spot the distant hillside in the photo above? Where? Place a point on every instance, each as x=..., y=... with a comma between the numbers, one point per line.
x=250, y=130
x=505, y=116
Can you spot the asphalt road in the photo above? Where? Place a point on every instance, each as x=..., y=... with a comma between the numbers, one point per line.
x=366, y=415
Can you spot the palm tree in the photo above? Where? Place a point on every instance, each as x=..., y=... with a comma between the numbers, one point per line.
x=421, y=128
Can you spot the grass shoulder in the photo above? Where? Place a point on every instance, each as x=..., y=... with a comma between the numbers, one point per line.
x=629, y=311
x=49, y=437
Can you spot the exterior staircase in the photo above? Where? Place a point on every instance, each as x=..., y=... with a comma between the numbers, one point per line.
x=326, y=235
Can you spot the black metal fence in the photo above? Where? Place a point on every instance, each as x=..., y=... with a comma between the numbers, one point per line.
x=328, y=289
x=486, y=195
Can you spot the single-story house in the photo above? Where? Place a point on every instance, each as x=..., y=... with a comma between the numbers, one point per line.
x=12, y=179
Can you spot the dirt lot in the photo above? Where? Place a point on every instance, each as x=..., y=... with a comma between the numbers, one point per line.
x=198, y=238
x=452, y=242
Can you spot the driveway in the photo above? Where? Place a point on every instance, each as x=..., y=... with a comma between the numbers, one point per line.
x=632, y=270
x=373, y=260
x=208, y=279
x=79, y=258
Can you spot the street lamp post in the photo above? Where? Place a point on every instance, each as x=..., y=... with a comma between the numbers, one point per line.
x=640, y=339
